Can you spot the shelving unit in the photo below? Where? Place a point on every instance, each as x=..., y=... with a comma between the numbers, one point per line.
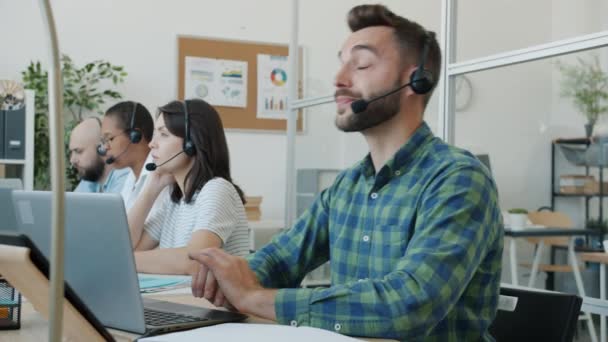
x=12, y=161
x=27, y=163
x=555, y=193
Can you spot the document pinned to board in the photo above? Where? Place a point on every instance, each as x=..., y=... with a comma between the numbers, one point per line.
x=251, y=333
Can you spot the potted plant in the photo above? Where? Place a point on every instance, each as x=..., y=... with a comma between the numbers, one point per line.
x=85, y=91
x=587, y=85
x=518, y=218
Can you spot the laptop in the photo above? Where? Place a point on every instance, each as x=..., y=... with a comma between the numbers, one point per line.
x=99, y=263
x=8, y=221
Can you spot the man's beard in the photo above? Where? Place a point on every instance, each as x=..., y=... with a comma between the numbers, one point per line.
x=93, y=173
x=376, y=113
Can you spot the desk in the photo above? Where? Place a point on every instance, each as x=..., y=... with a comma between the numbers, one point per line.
x=34, y=327
x=544, y=232
x=602, y=259
x=551, y=232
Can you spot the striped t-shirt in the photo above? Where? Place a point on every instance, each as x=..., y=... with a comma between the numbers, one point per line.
x=217, y=207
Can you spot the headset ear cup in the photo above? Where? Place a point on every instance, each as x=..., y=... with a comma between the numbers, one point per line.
x=135, y=136
x=101, y=150
x=422, y=82
x=189, y=148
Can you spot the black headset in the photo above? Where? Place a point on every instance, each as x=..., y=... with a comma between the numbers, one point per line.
x=101, y=148
x=134, y=133
x=422, y=80
x=188, y=147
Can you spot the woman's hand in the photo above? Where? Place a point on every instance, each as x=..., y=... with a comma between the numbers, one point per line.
x=158, y=181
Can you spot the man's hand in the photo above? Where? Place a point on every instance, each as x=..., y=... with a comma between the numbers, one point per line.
x=205, y=285
x=226, y=277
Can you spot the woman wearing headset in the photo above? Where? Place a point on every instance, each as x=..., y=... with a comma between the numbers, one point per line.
x=127, y=129
x=199, y=206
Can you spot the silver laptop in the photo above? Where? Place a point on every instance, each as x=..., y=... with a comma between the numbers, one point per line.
x=8, y=222
x=7, y=213
x=99, y=263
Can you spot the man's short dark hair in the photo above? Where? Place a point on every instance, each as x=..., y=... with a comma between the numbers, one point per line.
x=143, y=119
x=410, y=36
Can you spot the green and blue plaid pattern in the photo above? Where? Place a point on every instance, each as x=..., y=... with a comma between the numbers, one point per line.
x=415, y=249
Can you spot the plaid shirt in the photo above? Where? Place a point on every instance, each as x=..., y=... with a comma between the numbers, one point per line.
x=415, y=249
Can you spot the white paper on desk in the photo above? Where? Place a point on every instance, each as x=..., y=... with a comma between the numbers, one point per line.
x=251, y=333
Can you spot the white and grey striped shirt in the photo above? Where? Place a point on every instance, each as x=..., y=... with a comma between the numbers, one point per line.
x=217, y=207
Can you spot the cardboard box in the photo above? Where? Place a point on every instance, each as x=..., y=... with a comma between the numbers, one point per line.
x=252, y=208
x=593, y=187
x=574, y=184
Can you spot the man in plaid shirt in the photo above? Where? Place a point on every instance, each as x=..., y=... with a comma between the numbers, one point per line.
x=413, y=231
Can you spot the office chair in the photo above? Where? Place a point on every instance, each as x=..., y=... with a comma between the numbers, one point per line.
x=553, y=219
x=538, y=316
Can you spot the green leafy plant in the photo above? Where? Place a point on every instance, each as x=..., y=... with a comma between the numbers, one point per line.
x=86, y=89
x=587, y=85
x=518, y=211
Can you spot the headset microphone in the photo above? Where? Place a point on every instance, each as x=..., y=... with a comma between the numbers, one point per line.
x=421, y=81
x=361, y=105
x=188, y=146
x=153, y=166
x=112, y=159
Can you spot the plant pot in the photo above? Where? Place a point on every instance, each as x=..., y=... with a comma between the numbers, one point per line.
x=589, y=129
x=518, y=221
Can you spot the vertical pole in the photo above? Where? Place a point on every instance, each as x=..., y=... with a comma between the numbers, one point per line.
x=292, y=114
x=603, y=297
x=553, y=187
x=513, y=259
x=446, y=82
x=57, y=176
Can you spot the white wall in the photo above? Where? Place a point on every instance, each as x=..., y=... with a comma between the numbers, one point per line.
x=510, y=106
x=141, y=35
x=517, y=111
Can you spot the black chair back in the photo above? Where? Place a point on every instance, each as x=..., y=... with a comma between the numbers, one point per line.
x=538, y=316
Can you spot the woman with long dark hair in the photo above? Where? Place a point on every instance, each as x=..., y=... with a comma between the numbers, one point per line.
x=200, y=206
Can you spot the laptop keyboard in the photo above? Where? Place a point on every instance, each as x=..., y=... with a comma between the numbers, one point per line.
x=160, y=318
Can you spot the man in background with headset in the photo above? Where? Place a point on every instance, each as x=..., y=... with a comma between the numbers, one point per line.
x=413, y=231
x=95, y=175
x=126, y=131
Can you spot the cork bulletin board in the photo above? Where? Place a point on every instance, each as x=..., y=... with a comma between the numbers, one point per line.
x=235, y=117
